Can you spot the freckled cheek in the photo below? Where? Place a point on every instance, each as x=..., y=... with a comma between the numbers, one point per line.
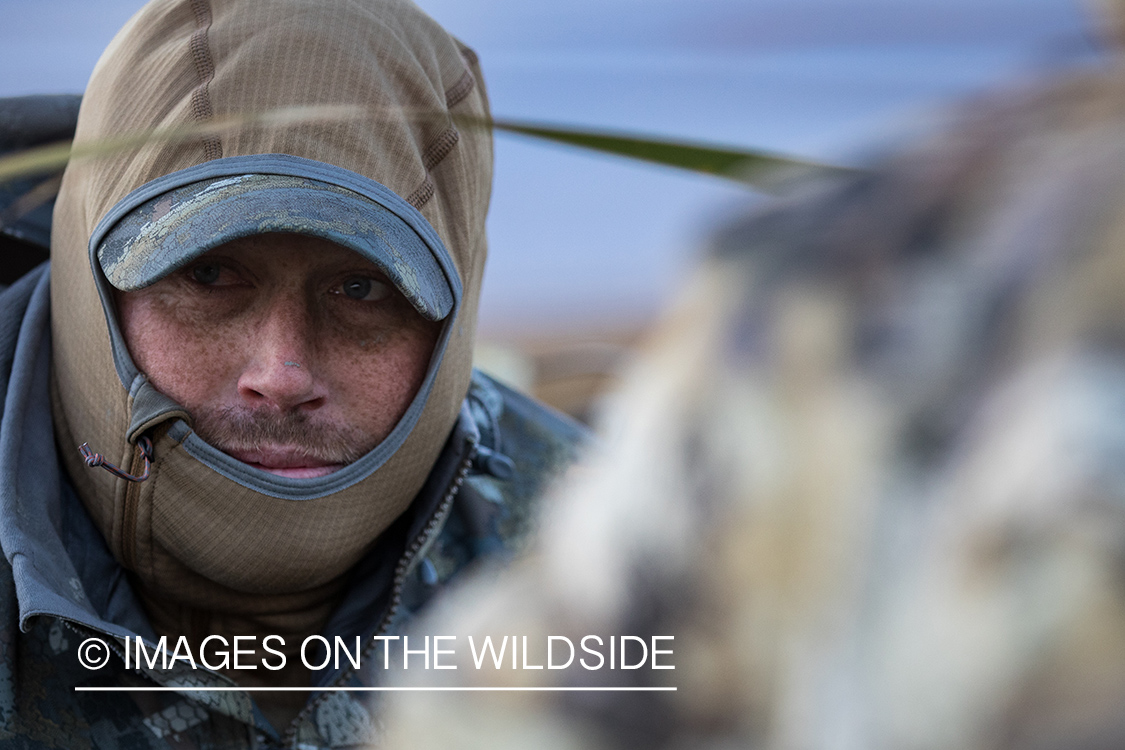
x=377, y=375
x=193, y=365
x=207, y=368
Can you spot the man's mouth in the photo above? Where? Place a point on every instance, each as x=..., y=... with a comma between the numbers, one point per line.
x=286, y=462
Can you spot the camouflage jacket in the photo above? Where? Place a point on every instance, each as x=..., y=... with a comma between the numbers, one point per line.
x=59, y=586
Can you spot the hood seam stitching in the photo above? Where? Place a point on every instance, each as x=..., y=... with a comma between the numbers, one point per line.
x=433, y=154
x=459, y=90
x=468, y=53
x=422, y=194
x=440, y=147
x=205, y=69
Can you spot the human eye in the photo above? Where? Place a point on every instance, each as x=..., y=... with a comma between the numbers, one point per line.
x=363, y=289
x=212, y=273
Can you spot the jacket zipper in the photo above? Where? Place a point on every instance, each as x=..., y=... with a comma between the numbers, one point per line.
x=401, y=569
x=129, y=522
x=110, y=640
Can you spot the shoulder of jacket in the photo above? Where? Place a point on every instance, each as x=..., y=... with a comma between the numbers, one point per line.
x=14, y=301
x=26, y=201
x=524, y=446
x=531, y=445
x=536, y=437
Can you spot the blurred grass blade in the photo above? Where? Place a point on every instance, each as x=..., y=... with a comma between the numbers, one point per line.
x=758, y=169
x=54, y=157
x=37, y=160
x=41, y=193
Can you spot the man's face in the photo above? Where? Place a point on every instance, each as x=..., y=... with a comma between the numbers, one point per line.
x=292, y=354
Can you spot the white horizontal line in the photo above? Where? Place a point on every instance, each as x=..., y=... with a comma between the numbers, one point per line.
x=232, y=689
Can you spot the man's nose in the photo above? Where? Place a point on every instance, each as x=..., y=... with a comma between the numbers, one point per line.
x=280, y=372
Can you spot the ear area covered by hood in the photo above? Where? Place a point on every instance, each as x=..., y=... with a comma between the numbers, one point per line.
x=400, y=185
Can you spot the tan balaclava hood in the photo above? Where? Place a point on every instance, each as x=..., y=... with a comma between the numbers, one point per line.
x=217, y=546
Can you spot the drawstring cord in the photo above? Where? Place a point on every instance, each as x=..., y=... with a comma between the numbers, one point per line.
x=96, y=459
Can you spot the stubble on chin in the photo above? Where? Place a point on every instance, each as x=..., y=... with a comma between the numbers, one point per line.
x=234, y=430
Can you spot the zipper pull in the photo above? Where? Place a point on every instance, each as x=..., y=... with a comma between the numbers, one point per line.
x=96, y=459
